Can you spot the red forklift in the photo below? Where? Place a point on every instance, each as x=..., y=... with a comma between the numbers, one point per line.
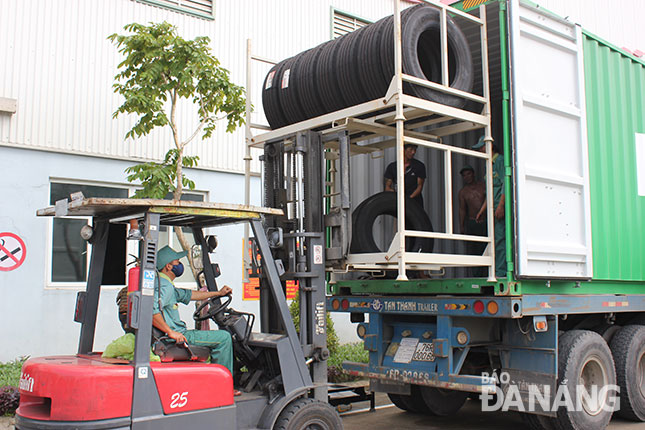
x=281, y=373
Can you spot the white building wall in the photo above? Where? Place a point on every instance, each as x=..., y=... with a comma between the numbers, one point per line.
x=38, y=317
x=59, y=66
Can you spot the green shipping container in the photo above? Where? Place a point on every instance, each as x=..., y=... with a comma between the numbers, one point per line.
x=615, y=93
x=570, y=113
x=578, y=145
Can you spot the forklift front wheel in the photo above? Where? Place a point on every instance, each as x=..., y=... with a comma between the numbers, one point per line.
x=308, y=414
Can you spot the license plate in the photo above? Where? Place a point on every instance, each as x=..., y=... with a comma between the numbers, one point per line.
x=424, y=352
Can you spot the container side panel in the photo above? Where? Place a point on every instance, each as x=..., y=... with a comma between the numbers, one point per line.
x=615, y=94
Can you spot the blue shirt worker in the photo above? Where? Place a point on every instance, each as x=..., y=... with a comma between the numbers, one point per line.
x=498, y=204
x=165, y=314
x=414, y=177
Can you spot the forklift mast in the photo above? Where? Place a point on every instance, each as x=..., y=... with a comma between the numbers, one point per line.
x=293, y=181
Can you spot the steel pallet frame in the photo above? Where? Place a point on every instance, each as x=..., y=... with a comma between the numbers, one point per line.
x=386, y=117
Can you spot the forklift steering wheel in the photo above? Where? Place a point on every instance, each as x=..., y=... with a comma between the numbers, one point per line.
x=214, y=309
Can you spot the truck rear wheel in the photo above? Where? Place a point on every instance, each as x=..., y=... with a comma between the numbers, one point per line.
x=538, y=422
x=585, y=361
x=441, y=402
x=628, y=348
x=308, y=414
x=412, y=402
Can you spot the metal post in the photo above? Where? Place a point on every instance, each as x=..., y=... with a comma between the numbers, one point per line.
x=282, y=309
x=247, y=160
x=400, y=123
x=145, y=398
x=445, y=76
x=448, y=188
x=490, y=211
x=94, y=280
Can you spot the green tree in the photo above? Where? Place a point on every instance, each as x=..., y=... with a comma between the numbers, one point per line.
x=161, y=68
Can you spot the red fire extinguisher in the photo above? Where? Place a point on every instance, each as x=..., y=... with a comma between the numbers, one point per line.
x=133, y=285
x=133, y=275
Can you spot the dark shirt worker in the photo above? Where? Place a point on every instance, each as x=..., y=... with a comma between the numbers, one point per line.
x=415, y=174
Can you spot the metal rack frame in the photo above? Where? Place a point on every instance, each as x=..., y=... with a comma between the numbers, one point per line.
x=400, y=108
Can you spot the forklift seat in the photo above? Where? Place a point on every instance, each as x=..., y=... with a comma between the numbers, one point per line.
x=168, y=350
x=162, y=345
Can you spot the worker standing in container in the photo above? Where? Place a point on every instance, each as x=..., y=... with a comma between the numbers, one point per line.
x=471, y=198
x=415, y=174
x=498, y=204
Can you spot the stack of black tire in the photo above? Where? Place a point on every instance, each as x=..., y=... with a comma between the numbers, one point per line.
x=359, y=66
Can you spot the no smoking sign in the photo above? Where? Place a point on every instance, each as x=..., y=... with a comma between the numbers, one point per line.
x=12, y=251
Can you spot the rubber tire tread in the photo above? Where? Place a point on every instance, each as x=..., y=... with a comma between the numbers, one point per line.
x=369, y=67
x=532, y=422
x=349, y=81
x=625, y=347
x=307, y=88
x=288, y=96
x=570, y=345
x=326, y=79
x=296, y=414
x=399, y=401
x=443, y=403
x=538, y=422
x=412, y=402
x=424, y=20
x=384, y=203
x=270, y=103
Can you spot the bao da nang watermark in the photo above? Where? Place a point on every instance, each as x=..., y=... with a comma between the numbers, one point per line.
x=528, y=397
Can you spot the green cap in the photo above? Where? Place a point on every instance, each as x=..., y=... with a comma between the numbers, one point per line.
x=479, y=143
x=465, y=168
x=166, y=255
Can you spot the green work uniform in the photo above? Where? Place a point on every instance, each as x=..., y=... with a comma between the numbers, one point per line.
x=166, y=298
x=500, y=224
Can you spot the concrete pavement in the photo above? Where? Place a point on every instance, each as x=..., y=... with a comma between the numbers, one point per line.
x=470, y=417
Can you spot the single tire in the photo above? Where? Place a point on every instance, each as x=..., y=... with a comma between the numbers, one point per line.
x=399, y=401
x=538, y=422
x=584, y=359
x=443, y=403
x=628, y=348
x=420, y=37
x=270, y=97
x=412, y=402
x=326, y=80
x=288, y=95
x=308, y=414
x=307, y=89
x=384, y=203
x=270, y=104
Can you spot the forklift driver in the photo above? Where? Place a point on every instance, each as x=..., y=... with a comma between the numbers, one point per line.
x=165, y=315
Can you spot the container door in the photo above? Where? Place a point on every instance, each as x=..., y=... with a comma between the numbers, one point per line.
x=553, y=219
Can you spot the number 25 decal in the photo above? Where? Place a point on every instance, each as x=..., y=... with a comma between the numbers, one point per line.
x=179, y=400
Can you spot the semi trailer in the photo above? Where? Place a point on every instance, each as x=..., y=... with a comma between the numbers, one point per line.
x=560, y=334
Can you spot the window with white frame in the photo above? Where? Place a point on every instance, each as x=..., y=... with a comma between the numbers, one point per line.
x=343, y=23
x=70, y=254
x=200, y=8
